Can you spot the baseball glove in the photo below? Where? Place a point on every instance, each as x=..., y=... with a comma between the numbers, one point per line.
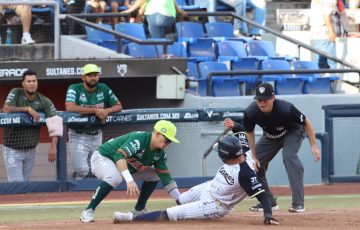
x=271, y=221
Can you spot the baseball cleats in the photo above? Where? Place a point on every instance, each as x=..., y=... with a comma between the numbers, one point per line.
x=122, y=217
x=87, y=216
x=297, y=208
x=258, y=207
x=136, y=212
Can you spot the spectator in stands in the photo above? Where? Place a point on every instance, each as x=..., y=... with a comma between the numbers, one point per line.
x=135, y=16
x=240, y=6
x=99, y=6
x=160, y=15
x=95, y=6
x=326, y=26
x=20, y=142
x=74, y=7
x=88, y=98
x=355, y=4
x=24, y=11
x=259, y=16
x=240, y=9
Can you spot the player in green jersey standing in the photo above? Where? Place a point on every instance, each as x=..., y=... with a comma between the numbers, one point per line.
x=20, y=142
x=88, y=98
x=136, y=155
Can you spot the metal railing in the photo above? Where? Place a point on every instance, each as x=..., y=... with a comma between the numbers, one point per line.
x=117, y=34
x=278, y=34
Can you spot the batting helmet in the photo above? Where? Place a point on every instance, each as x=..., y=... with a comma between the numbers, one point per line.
x=243, y=140
x=228, y=147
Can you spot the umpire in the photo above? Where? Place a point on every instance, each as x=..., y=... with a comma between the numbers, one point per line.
x=284, y=126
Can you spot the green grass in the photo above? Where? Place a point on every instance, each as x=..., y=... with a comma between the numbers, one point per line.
x=71, y=211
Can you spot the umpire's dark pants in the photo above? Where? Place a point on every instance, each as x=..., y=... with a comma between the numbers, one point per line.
x=267, y=148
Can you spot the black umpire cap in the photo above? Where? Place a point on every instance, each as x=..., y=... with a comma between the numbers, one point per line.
x=264, y=91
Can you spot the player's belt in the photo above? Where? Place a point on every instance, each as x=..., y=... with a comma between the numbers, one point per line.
x=275, y=136
x=94, y=133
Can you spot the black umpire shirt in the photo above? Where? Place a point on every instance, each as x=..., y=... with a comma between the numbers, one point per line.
x=283, y=117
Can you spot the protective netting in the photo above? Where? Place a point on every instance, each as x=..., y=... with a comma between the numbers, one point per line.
x=184, y=159
x=346, y=146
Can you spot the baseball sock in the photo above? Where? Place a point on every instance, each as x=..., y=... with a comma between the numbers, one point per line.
x=147, y=189
x=101, y=192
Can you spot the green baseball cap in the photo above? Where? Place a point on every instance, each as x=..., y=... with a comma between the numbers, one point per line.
x=90, y=68
x=166, y=128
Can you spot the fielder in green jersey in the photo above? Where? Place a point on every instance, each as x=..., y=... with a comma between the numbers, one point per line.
x=88, y=98
x=20, y=142
x=136, y=155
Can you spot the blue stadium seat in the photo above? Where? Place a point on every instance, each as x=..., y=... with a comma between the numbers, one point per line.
x=133, y=29
x=264, y=50
x=314, y=83
x=185, y=5
x=142, y=51
x=220, y=85
x=189, y=31
x=120, y=8
x=231, y=51
x=248, y=83
x=221, y=31
x=284, y=83
x=101, y=38
x=201, y=50
x=177, y=49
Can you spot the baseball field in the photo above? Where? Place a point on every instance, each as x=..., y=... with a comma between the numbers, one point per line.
x=327, y=207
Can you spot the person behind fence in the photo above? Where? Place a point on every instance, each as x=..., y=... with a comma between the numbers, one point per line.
x=134, y=156
x=284, y=127
x=74, y=7
x=213, y=199
x=160, y=15
x=24, y=11
x=20, y=142
x=240, y=6
x=88, y=98
x=328, y=21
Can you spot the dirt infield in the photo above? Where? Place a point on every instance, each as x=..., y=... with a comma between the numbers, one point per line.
x=314, y=219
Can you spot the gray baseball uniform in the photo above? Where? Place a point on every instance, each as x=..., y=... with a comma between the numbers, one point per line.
x=85, y=140
x=20, y=142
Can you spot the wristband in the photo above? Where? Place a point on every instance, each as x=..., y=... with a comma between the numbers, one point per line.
x=29, y=109
x=175, y=193
x=127, y=176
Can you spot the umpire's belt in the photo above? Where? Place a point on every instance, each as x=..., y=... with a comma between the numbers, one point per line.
x=94, y=133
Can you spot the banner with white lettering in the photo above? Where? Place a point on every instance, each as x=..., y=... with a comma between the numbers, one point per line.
x=53, y=69
x=135, y=116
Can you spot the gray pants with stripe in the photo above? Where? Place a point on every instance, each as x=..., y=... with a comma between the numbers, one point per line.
x=266, y=150
x=82, y=146
x=18, y=163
